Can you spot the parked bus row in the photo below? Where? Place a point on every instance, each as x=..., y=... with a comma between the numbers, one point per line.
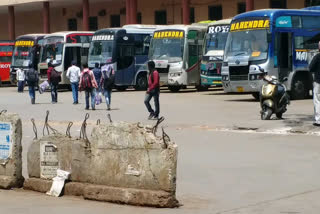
x=222, y=53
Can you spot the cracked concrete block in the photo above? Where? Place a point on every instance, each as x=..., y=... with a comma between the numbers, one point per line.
x=130, y=156
x=10, y=151
x=123, y=163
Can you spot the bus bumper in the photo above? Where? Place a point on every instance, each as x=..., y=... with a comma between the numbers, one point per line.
x=242, y=86
x=211, y=80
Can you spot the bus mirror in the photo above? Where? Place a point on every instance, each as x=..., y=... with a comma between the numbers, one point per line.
x=269, y=37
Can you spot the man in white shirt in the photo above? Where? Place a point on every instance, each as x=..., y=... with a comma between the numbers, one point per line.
x=21, y=77
x=73, y=74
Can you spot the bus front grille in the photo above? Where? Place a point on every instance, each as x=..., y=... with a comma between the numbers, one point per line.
x=238, y=73
x=163, y=70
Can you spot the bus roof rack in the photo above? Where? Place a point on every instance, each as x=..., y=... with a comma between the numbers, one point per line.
x=137, y=26
x=312, y=8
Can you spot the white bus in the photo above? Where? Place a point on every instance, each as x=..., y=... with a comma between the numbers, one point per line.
x=62, y=48
x=177, y=52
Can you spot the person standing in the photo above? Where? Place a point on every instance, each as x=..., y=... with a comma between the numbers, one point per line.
x=153, y=91
x=54, y=78
x=315, y=68
x=73, y=74
x=88, y=84
x=21, y=77
x=32, y=79
x=107, y=83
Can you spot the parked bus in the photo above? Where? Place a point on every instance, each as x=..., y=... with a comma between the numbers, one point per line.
x=127, y=49
x=26, y=51
x=61, y=49
x=6, y=48
x=275, y=40
x=177, y=52
x=213, y=51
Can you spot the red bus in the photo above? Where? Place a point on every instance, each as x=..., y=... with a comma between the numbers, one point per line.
x=6, y=48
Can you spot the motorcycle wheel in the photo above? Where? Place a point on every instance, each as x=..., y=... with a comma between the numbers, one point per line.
x=266, y=113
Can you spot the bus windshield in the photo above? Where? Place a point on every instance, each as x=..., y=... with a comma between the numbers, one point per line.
x=170, y=49
x=100, y=52
x=252, y=43
x=52, y=52
x=215, y=42
x=22, y=56
x=52, y=49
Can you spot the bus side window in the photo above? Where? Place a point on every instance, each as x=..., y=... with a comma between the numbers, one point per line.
x=126, y=56
x=193, y=48
x=138, y=44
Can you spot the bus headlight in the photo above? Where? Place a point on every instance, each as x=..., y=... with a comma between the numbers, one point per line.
x=225, y=78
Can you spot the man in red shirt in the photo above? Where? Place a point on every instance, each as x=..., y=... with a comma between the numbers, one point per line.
x=153, y=91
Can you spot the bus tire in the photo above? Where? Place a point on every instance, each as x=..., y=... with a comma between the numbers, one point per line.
x=142, y=82
x=299, y=89
x=202, y=87
x=0, y=82
x=121, y=87
x=256, y=96
x=174, y=88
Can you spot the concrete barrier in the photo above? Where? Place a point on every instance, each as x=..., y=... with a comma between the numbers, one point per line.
x=122, y=163
x=10, y=151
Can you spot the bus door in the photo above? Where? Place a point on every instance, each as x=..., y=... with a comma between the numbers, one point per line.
x=72, y=52
x=284, y=53
x=85, y=52
x=125, y=72
x=194, y=57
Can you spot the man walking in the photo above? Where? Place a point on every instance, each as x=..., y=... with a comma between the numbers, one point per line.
x=107, y=82
x=73, y=74
x=32, y=80
x=97, y=75
x=153, y=91
x=54, y=78
x=88, y=84
x=315, y=68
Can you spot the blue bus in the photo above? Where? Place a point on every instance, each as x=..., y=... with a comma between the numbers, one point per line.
x=127, y=49
x=277, y=40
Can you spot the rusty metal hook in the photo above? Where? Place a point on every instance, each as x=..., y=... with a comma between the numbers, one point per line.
x=35, y=131
x=47, y=126
x=155, y=127
x=3, y=112
x=165, y=138
x=83, y=132
x=68, y=129
x=109, y=117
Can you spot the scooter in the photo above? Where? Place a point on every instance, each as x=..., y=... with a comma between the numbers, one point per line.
x=274, y=98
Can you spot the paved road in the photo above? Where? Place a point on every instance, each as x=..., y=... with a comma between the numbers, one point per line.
x=261, y=167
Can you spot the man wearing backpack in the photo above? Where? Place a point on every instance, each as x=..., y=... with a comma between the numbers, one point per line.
x=54, y=78
x=88, y=84
x=32, y=79
x=153, y=91
x=107, y=82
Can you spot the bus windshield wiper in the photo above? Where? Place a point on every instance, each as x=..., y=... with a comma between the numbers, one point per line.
x=238, y=54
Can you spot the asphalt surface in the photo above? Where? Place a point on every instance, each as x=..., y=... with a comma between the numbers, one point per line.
x=229, y=160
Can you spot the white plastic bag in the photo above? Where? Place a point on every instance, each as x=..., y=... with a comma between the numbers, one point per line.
x=58, y=183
